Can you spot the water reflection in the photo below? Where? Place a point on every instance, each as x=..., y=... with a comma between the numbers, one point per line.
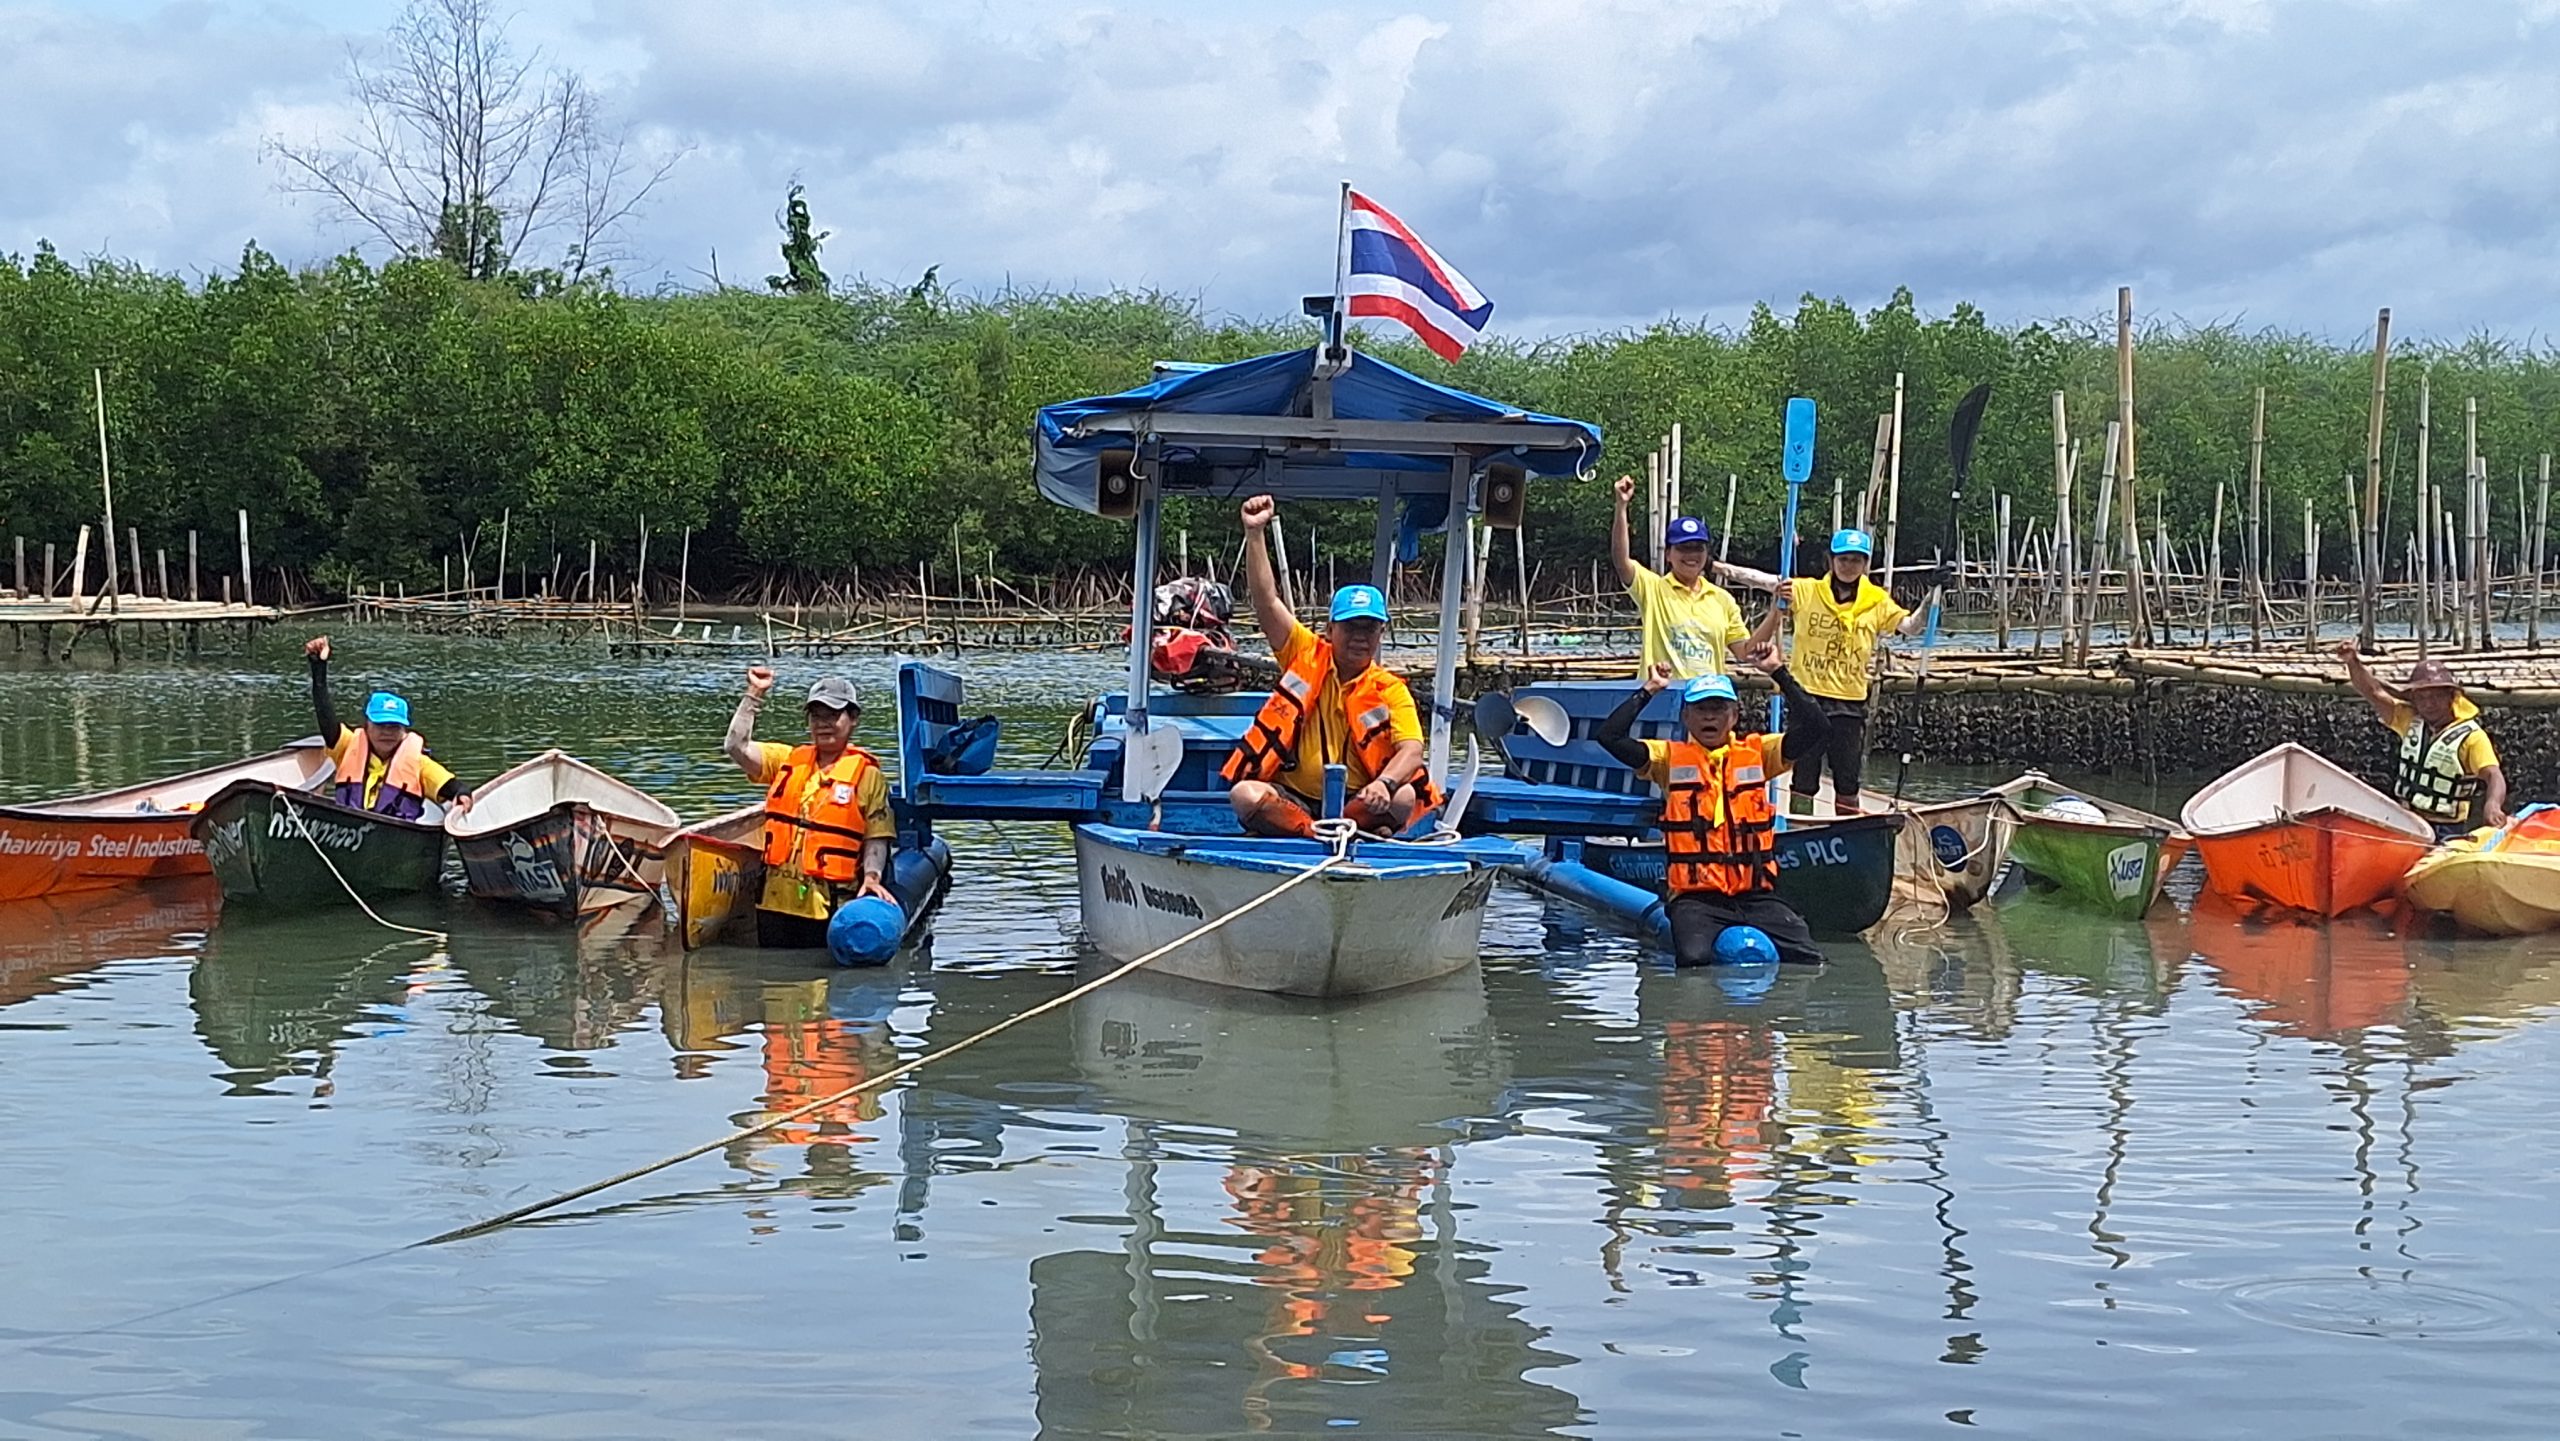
x=813, y=1033
x=1325, y=1262
x=2301, y=976
x=280, y=997
x=48, y=943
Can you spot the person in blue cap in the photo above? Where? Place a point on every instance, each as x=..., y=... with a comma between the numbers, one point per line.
x=1840, y=618
x=1691, y=624
x=1334, y=705
x=383, y=768
x=1718, y=831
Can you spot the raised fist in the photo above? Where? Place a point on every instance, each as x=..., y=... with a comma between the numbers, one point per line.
x=759, y=680
x=317, y=648
x=1258, y=512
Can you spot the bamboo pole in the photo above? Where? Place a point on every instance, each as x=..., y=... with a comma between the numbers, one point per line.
x=2369, y=554
x=684, y=575
x=2137, y=615
x=107, y=490
x=2458, y=616
x=2000, y=576
x=2310, y=578
x=506, y=523
x=2213, y=568
x=1724, y=537
x=2098, y=547
x=195, y=592
x=2422, y=521
x=1893, y=482
x=1657, y=518
x=2541, y=535
x=1877, y=459
x=80, y=568
x=2253, y=546
x=247, y=592
x=2062, y=520
x=2478, y=513
x=18, y=545
x=1672, y=466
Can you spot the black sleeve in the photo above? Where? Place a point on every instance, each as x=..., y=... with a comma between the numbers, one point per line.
x=323, y=713
x=1616, y=733
x=1807, y=722
x=452, y=788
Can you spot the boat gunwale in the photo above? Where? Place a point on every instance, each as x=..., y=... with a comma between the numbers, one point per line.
x=57, y=808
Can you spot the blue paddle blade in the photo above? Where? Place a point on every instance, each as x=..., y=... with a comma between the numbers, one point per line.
x=1799, y=456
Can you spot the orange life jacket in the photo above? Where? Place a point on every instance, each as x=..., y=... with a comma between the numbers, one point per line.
x=825, y=838
x=1270, y=744
x=1734, y=856
x=401, y=795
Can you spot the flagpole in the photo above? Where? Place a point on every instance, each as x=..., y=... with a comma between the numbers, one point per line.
x=1340, y=323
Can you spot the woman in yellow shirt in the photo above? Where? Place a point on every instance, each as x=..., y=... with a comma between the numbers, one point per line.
x=1691, y=624
x=1839, y=620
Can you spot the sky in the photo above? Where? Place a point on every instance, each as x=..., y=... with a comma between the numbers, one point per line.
x=1590, y=164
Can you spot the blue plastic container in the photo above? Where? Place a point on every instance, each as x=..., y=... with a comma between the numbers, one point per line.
x=867, y=930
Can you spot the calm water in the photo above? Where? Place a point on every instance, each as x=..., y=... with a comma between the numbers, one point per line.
x=2026, y=1175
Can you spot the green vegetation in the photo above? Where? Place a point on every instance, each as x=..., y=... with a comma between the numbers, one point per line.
x=368, y=417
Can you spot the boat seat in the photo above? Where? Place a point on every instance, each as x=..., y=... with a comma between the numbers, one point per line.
x=1502, y=803
x=1011, y=795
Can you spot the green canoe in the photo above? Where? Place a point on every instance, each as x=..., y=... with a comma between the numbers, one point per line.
x=266, y=843
x=2109, y=862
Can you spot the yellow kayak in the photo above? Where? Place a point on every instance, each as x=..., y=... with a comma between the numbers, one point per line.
x=2503, y=882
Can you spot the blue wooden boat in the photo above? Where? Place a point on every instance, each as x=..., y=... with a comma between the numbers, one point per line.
x=1157, y=846
x=1603, y=853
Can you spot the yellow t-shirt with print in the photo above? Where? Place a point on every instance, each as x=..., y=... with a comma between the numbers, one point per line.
x=786, y=890
x=1689, y=630
x=1835, y=644
x=2477, y=753
x=1326, y=738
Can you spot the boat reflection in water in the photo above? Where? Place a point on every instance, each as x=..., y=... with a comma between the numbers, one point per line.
x=814, y=1034
x=278, y=997
x=48, y=942
x=1323, y=1257
x=2305, y=976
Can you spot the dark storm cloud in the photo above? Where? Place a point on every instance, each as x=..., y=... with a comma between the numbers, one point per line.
x=1588, y=162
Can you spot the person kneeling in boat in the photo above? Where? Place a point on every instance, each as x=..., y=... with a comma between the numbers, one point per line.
x=1717, y=824
x=2446, y=770
x=383, y=768
x=1334, y=705
x=827, y=825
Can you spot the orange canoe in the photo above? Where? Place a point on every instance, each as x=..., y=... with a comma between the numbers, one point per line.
x=113, y=838
x=2290, y=828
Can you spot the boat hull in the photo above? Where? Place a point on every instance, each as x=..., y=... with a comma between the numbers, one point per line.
x=715, y=869
x=2327, y=864
x=1839, y=875
x=265, y=849
x=1350, y=932
x=137, y=833
x=566, y=862
x=2491, y=892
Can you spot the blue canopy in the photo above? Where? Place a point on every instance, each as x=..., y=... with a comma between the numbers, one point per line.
x=1274, y=425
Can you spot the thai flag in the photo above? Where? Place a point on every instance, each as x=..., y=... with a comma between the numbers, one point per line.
x=1394, y=276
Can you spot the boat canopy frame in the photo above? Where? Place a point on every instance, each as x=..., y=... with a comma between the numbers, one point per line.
x=1292, y=427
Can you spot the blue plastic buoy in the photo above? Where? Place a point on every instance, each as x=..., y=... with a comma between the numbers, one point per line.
x=1745, y=946
x=866, y=931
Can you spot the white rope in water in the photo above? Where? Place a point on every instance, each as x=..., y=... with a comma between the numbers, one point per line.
x=1341, y=855
x=322, y=852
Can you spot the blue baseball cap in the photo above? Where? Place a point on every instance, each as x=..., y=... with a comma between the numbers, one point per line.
x=1709, y=687
x=1359, y=602
x=1850, y=541
x=1687, y=530
x=384, y=708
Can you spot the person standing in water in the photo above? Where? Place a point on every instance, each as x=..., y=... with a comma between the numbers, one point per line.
x=1718, y=833
x=1839, y=619
x=827, y=823
x=1691, y=624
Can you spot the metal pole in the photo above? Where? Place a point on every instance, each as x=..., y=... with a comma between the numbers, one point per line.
x=1142, y=615
x=1453, y=580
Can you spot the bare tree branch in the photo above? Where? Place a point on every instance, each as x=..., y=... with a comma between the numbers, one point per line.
x=465, y=148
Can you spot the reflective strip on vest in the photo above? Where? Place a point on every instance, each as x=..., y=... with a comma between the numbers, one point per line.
x=2429, y=775
x=1735, y=855
x=823, y=839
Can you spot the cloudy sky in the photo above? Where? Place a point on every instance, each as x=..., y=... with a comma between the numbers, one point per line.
x=1589, y=163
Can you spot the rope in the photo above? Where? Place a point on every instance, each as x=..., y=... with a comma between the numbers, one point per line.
x=318, y=850
x=1340, y=856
